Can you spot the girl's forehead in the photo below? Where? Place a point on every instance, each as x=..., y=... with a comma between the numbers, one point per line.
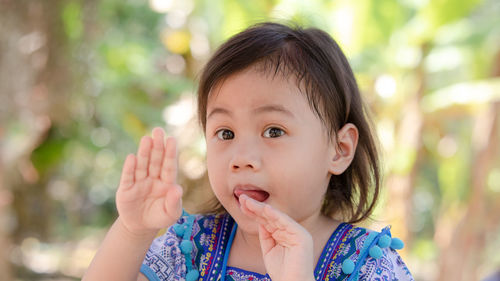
x=251, y=96
x=254, y=86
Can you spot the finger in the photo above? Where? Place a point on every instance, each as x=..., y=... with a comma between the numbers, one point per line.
x=272, y=218
x=267, y=242
x=156, y=153
x=256, y=210
x=243, y=199
x=247, y=212
x=252, y=205
x=143, y=158
x=169, y=166
x=277, y=218
x=285, y=230
x=127, y=177
x=173, y=201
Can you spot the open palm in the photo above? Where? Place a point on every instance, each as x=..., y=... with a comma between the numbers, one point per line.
x=148, y=197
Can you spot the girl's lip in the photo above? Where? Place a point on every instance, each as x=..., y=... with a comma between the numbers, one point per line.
x=246, y=187
x=240, y=188
x=251, y=191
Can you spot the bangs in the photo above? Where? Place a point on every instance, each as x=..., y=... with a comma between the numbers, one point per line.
x=279, y=51
x=289, y=62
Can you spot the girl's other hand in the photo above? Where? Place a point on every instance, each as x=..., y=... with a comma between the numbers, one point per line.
x=148, y=197
x=287, y=247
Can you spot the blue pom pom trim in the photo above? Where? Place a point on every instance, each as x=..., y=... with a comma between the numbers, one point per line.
x=184, y=231
x=347, y=266
x=373, y=246
x=192, y=275
x=375, y=252
x=397, y=244
x=186, y=247
x=370, y=242
x=179, y=229
x=384, y=241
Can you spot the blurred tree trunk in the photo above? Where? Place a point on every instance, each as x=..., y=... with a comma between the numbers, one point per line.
x=5, y=244
x=469, y=238
x=409, y=138
x=33, y=77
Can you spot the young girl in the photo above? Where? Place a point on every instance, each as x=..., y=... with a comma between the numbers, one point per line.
x=290, y=154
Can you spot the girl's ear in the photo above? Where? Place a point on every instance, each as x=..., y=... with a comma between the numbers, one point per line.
x=342, y=156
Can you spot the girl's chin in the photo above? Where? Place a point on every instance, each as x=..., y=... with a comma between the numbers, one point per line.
x=247, y=224
x=252, y=228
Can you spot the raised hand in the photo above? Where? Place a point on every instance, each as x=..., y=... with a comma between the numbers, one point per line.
x=287, y=247
x=148, y=197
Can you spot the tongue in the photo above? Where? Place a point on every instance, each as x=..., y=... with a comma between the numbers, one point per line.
x=258, y=195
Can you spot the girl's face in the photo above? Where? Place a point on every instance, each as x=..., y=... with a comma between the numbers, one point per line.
x=264, y=140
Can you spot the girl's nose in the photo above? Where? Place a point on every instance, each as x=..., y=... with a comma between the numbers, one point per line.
x=246, y=156
x=240, y=165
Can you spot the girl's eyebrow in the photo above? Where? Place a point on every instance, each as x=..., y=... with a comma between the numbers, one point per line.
x=219, y=110
x=273, y=108
x=259, y=110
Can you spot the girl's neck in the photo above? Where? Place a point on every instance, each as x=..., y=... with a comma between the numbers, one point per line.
x=320, y=227
x=248, y=244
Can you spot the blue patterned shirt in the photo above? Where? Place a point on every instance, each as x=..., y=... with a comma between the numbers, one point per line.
x=210, y=234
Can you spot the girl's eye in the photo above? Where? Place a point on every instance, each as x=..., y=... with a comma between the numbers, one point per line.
x=273, y=132
x=225, y=134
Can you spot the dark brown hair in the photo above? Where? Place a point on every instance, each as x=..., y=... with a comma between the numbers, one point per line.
x=322, y=72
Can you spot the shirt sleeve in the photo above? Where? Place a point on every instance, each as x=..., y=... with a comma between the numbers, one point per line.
x=164, y=260
x=390, y=266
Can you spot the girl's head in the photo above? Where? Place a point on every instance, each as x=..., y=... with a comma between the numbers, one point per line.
x=285, y=123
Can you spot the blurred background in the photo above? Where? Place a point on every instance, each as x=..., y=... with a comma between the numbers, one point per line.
x=82, y=80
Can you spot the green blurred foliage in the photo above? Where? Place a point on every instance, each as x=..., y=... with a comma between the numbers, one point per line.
x=130, y=61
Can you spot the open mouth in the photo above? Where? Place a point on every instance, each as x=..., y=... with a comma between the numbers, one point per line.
x=258, y=195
